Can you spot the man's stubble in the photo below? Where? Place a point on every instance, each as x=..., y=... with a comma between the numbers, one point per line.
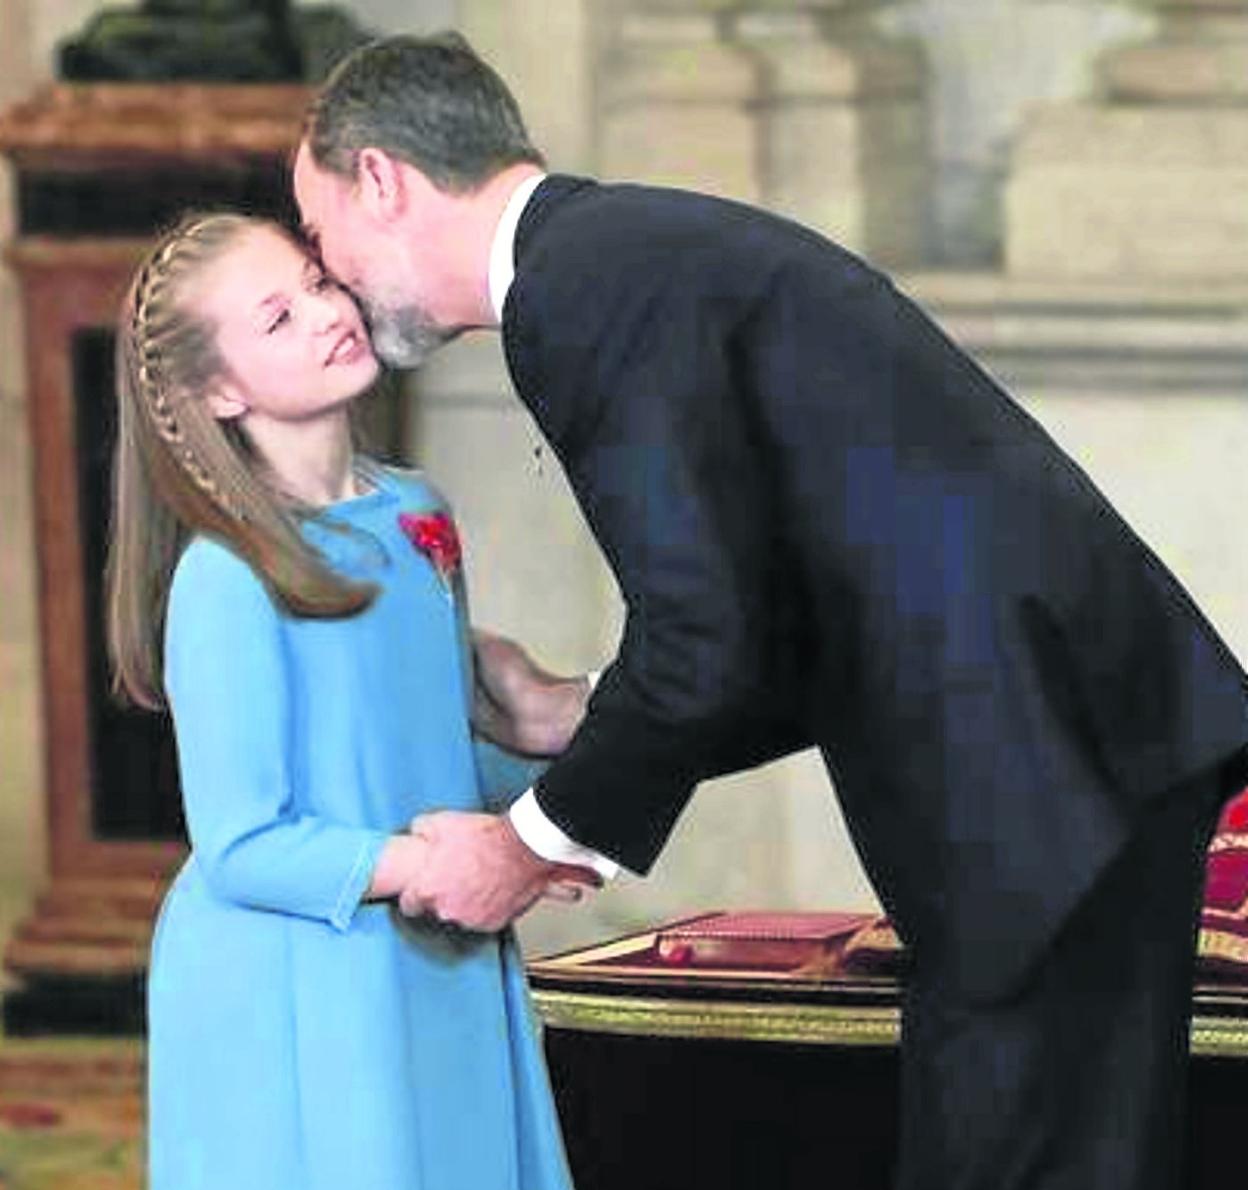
x=404, y=336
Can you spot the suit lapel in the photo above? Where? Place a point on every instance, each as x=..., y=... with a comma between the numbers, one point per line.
x=528, y=326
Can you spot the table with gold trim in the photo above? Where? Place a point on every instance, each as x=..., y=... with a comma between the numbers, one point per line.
x=750, y=1078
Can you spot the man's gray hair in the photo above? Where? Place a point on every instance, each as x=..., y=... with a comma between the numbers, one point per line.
x=429, y=101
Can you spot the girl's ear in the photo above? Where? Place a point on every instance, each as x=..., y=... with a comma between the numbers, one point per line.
x=226, y=400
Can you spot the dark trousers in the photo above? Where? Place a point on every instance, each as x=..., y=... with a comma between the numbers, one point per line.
x=1078, y=1081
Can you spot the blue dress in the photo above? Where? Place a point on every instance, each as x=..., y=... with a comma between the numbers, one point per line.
x=298, y=1038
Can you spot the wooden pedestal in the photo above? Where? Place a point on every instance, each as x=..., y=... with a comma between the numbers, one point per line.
x=98, y=170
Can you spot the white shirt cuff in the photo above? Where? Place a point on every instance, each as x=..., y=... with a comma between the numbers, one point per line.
x=543, y=837
x=592, y=676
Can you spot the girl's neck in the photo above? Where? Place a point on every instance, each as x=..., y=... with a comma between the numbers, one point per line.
x=313, y=463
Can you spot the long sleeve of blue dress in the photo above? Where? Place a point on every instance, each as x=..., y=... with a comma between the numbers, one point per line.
x=228, y=686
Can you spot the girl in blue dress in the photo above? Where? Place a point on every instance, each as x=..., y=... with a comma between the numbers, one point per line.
x=316, y=661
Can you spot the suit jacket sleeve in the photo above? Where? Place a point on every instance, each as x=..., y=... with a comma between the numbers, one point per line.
x=658, y=448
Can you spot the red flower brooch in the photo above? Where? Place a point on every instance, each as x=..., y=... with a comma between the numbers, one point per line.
x=434, y=534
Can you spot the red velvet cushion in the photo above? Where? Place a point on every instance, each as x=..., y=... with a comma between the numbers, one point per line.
x=1223, y=948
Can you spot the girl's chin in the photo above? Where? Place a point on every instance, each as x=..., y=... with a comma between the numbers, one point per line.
x=365, y=372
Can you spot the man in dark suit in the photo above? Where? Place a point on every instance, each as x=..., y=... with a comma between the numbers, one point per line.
x=829, y=528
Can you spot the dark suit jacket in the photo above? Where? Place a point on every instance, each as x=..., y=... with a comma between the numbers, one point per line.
x=830, y=527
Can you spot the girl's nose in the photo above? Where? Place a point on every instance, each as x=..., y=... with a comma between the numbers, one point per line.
x=325, y=312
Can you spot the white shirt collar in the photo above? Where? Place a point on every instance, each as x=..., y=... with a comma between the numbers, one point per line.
x=503, y=246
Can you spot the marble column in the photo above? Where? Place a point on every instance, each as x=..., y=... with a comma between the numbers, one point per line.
x=679, y=103
x=801, y=106
x=1147, y=180
x=842, y=125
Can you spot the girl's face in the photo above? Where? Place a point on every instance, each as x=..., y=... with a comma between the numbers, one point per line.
x=293, y=342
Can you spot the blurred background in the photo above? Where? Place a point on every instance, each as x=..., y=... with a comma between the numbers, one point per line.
x=1062, y=183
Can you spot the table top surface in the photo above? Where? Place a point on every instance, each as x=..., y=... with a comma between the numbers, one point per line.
x=616, y=987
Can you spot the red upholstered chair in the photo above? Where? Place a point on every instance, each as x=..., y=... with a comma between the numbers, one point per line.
x=1224, y=919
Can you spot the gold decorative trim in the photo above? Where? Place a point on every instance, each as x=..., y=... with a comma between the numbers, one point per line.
x=712, y=1020
x=1219, y=1037
x=803, y=1024
x=1217, y=944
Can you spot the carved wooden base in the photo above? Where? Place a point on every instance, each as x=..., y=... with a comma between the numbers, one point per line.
x=97, y=170
x=76, y=1008
x=81, y=958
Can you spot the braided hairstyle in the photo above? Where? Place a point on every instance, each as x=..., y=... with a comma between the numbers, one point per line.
x=179, y=471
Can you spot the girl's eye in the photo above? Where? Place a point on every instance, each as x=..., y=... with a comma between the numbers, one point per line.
x=279, y=320
x=321, y=282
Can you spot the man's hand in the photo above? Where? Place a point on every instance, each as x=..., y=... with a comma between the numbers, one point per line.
x=478, y=874
x=519, y=705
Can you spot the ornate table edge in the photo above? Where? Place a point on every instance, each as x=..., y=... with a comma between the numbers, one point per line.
x=713, y=1020
x=1219, y=1037
x=803, y=1024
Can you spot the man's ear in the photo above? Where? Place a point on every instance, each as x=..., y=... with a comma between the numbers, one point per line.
x=382, y=183
x=226, y=400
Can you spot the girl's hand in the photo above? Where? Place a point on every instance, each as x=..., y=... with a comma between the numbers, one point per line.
x=567, y=892
x=519, y=705
x=398, y=866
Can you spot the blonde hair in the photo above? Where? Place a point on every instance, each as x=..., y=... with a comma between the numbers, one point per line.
x=178, y=470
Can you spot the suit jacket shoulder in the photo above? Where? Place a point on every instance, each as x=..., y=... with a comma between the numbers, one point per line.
x=596, y=263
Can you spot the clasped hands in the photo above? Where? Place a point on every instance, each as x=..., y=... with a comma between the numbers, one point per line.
x=472, y=870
